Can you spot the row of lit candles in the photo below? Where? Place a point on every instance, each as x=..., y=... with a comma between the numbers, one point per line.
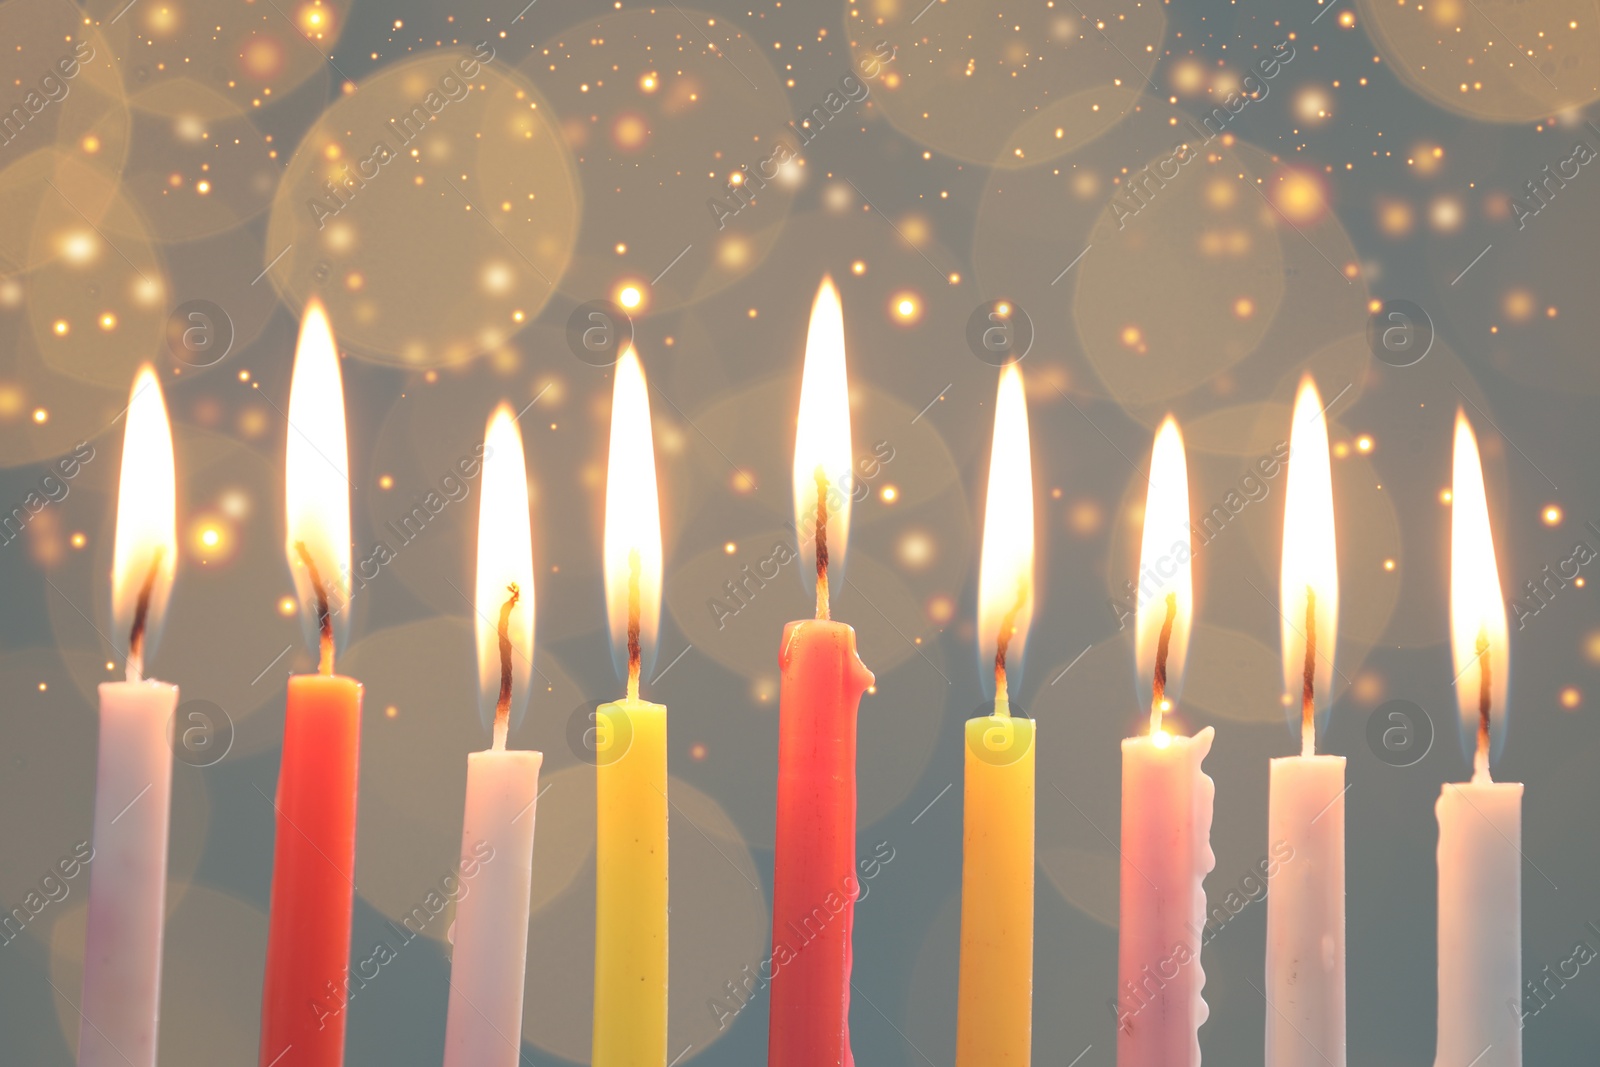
x=1166, y=801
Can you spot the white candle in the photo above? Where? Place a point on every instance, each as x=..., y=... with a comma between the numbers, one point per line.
x=483, y=1025
x=1480, y=823
x=1305, y=914
x=1305, y=969
x=1166, y=800
x=1480, y=928
x=128, y=879
x=133, y=781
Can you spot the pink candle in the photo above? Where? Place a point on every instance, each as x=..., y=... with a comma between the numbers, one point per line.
x=1166, y=801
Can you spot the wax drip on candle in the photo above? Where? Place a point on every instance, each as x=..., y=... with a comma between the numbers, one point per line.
x=324, y=615
x=502, y=706
x=1008, y=629
x=635, y=649
x=822, y=543
x=1308, y=702
x=1158, y=688
x=141, y=613
x=1480, y=763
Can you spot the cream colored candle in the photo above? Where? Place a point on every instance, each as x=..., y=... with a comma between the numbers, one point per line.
x=1480, y=822
x=1305, y=970
x=133, y=779
x=489, y=955
x=1305, y=1018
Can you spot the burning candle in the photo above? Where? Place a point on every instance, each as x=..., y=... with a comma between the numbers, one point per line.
x=1166, y=799
x=994, y=1020
x=483, y=1025
x=814, y=882
x=133, y=781
x=1480, y=822
x=304, y=990
x=1305, y=911
x=630, y=939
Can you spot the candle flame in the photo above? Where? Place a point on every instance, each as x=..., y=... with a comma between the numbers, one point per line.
x=145, y=552
x=1166, y=586
x=503, y=597
x=1478, y=638
x=1308, y=588
x=317, y=486
x=1005, y=569
x=632, y=551
x=823, y=481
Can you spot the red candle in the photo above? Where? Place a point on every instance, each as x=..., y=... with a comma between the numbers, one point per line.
x=304, y=991
x=814, y=883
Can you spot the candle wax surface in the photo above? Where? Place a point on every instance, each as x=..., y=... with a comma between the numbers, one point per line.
x=304, y=990
x=1305, y=1024
x=127, y=876
x=1166, y=854
x=1480, y=924
x=630, y=941
x=815, y=883
x=994, y=1019
x=489, y=953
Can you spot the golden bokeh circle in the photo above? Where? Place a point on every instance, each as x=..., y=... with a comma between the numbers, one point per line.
x=1174, y=259
x=96, y=302
x=1499, y=60
x=661, y=107
x=1014, y=88
x=67, y=125
x=433, y=211
x=195, y=170
x=45, y=413
x=254, y=53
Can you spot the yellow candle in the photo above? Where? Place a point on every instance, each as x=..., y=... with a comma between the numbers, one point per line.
x=630, y=941
x=995, y=1000
x=994, y=1017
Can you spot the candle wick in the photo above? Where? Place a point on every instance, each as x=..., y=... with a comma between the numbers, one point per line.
x=324, y=615
x=141, y=617
x=1308, y=701
x=1158, y=687
x=1480, y=763
x=1002, y=646
x=822, y=543
x=635, y=646
x=502, y=706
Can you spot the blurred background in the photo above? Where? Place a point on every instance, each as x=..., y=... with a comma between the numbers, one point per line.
x=1184, y=208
